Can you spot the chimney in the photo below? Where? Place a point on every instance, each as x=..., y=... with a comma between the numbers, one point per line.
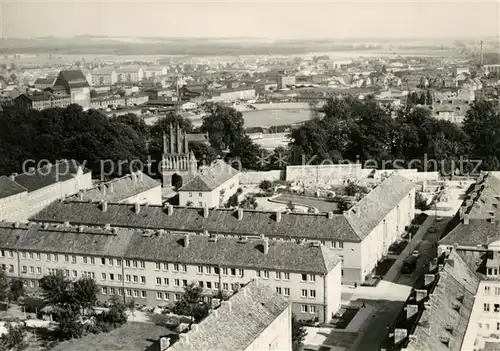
x=205, y=211
x=356, y=211
x=107, y=226
x=110, y=186
x=330, y=215
x=411, y=310
x=16, y=224
x=80, y=228
x=80, y=196
x=278, y=216
x=134, y=177
x=194, y=327
x=440, y=267
x=104, y=206
x=428, y=279
x=137, y=207
x=170, y=209
x=420, y=294
x=66, y=224
x=466, y=219
x=492, y=217
x=103, y=189
x=240, y=214
x=140, y=175
x=186, y=240
x=265, y=245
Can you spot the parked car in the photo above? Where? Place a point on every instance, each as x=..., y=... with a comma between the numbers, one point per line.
x=409, y=264
x=439, y=219
x=415, y=253
x=432, y=229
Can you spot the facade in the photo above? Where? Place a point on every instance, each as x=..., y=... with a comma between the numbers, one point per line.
x=242, y=93
x=179, y=165
x=129, y=75
x=42, y=83
x=211, y=187
x=76, y=85
x=492, y=68
x=285, y=81
x=360, y=236
x=41, y=187
x=154, y=71
x=42, y=101
x=153, y=267
x=127, y=101
x=231, y=327
x=136, y=187
x=104, y=76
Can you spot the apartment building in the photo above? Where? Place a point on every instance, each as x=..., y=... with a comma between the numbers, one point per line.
x=360, y=236
x=232, y=327
x=104, y=76
x=23, y=195
x=211, y=187
x=42, y=101
x=154, y=71
x=129, y=74
x=153, y=267
x=132, y=188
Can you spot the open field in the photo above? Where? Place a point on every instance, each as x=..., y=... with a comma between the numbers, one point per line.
x=268, y=118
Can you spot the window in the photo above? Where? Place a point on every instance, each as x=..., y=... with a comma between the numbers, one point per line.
x=136, y=279
x=486, y=307
x=341, y=245
x=201, y=204
x=143, y=280
x=225, y=286
x=136, y=293
x=277, y=275
x=200, y=194
x=201, y=284
x=56, y=257
x=158, y=281
x=38, y=270
x=75, y=274
x=216, y=270
x=240, y=272
x=312, y=277
x=73, y=259
x=66, y=272
x=104, y=290
x=118, y=262
x=278, y=291
x=112, y=291
x=224, y=271
x=177, y=297
x=304, y=309
x=47, y=257
x=165, y=281
x=134, y=264
x=159, y=296
x=157, y=266
x=119, y=277
x=127, y=278
x=23, y=255
x=266, y=274
x=286, y=291
x=103, y=276
x=120, y=291
x=11, y=268
x=233, y=271
x=312, y=294
x=32, y=270
x=304, y=277
x=103, y=261
x=66, y=258
x=200, y=269
x=208, y=270
x=11, y=253
x=496, y=308
x=110, y=261
x=497, y=290
x=177, y=282
x=184, y=283
x=38, y=256
x=30, y=255
x=286, y=276
x=127, y=263
x=84, y=259
x=184, y=268
x=142, y=264
x=167, y=296
x=304, y=293
x=312, y=309
x=111, y=276
x=128, y=292
x=498, y=325
x=165, y=266
x=209, y=285
x=190, y=194
x=176, y=267
x=92, y=260
x=24, y=269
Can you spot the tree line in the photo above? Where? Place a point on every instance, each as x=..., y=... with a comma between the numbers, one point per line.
x=350, y=129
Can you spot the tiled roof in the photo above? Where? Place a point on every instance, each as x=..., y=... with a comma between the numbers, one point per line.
x=8, y=187
x=211, y=178
x=198, y=250
x=477, y=232
x=48, y=175
x=492, y=346
x=127, y=69
x=119, y=189
x=231, y=251
x=377, y=204
x=48, y=80
x=75, y=78
x=103, y=71
x=457, y=280
x=237, y=322
x=223, y=221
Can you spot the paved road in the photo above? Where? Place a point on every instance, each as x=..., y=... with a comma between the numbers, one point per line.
x=375, y=329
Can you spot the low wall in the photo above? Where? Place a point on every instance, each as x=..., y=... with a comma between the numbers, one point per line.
x=323, y=174
x=282, y=106
x=257, y=177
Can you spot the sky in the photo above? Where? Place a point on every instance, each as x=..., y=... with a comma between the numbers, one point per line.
x=277, y=19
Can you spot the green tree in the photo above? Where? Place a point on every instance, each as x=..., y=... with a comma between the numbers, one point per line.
x=85, y=291
x=224, y=125
x=4, y=285
x=204, y=154
x=266, y=186
x=299, y=334
x=192, y=303
x=421, y=202
x=93, y=94
x=16, y=289
x=116, y=315
x=57, y=291
x=15, y=339
x=69, y=325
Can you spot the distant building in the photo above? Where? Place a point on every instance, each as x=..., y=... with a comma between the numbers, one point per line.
x=285, y=81
x=229, y=95
x=42, y=101
x=104, y=76
x=457, y=70
x=154, y=71
x=76, y=85
x=136, y=187
x=211, y=187
x=42, y=83
x=231, y=326
x=23, y=195
x=492, y=68
x=129, y=74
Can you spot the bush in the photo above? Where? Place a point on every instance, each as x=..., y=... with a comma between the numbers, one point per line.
x=421, y=202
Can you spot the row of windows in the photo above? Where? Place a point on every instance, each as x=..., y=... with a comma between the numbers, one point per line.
x=308, y=309
x=312, y=293
x=487, y=326
x=199, y=194
x=166, y=296
x=496, y=307
x=492, y=271
x=487, y=290
x=128, y=292
x=225, y=271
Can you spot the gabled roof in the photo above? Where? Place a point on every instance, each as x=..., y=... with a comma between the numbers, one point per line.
x=456, y=280
x=477, y=232
x=8, y=187
x=119, y=189
x=47, y=80
x=49, y=174
x=74, y=78
x=211, y=178
x=225, y=221
x=236, y=323
x=377, y=204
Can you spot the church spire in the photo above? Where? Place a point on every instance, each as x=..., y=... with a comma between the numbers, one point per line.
x=186, y=146
x=171, y=138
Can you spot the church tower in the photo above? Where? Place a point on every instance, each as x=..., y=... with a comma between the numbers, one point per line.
x=179, y=164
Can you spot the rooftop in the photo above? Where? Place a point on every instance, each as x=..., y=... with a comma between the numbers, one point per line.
x=237, y=322
x=74, y=78
x=119, y=189
x=169, y=247
x=211, y=178
x=8, y=187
